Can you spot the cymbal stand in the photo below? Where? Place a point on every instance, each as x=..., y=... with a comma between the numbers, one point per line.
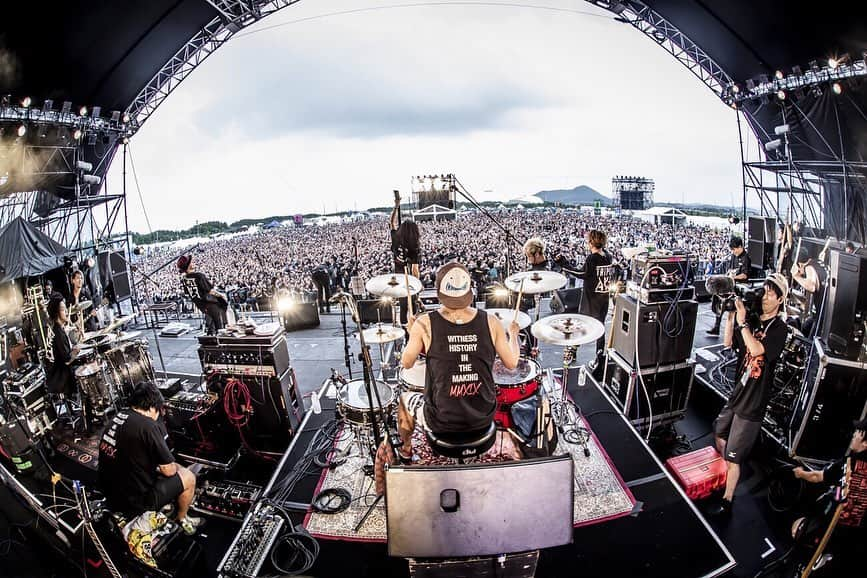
x=561, y=405
x=347, y=358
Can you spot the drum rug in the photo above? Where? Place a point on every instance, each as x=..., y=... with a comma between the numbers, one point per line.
x=600, y=493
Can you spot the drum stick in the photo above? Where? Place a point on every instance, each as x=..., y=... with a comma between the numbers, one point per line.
x=408, y=296
x=518, y=304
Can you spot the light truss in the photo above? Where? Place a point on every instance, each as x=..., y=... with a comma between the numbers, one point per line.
x=794, y=82
x=672, y=40
x=233, y=16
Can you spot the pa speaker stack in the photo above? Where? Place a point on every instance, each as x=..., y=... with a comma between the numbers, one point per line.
x=565, y=301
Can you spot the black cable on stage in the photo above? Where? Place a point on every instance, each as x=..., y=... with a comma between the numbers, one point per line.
x=331, y=501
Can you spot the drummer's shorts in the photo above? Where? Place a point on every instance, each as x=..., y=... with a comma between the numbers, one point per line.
x=413, y=401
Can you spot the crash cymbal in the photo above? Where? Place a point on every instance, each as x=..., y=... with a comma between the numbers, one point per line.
x=80, y=306
x=380, y=333
x=505, y=316
x=98, y=341
x=117, y=323
x=393, y=285
x=536, y=281
x=568, y=329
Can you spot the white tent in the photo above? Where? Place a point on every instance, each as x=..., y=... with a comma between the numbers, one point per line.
x=662, y=216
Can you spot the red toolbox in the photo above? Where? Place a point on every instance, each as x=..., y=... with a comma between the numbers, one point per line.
x=699, y=472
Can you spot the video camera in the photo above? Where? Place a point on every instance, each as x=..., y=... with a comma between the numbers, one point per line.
x=727, y=291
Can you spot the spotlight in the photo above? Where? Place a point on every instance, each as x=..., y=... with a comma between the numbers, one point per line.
x=779, y=74
x=90, y=262
x=138, y=251
x=22, y=130
x=77, y=134
x=125, y=140
x=47, y=105
x=833, y=63
x=26, y=102
x=91, y=179
x=284, y=304
x=82, y=111
x=733, y=220
x=84, y=166
x=781, y=94
x=125, y=117
x=773, y=145
x=837, y=88
x=735, y=88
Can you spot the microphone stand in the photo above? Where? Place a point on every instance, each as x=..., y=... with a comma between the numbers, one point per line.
x=510, y=237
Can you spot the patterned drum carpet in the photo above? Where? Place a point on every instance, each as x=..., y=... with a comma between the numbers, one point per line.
x=600, y=493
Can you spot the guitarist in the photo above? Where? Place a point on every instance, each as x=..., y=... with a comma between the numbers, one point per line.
x=810, y=276
x=201, y=292
x=406, y=248
x=851, y=524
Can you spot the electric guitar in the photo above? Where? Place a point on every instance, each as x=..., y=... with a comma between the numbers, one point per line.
x=397, y=205
x=841, y=496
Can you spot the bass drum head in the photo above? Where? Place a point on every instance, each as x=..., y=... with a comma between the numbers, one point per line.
x=355, y=395
x=526, y=370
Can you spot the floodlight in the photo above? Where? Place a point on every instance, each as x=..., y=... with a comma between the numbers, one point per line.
x=837, y=88
x=284, y=304
x=91, y=179
x=84, y=166
x=779, y=74
x=773, y=145
x=77, y=134
x=82, y=111
x=781, y=94
x=781, y=129
x=125, y=117
x=22, y=130
x=26, y=102
x=47, y=105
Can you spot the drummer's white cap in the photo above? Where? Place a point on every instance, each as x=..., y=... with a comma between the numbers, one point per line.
x=454, y=286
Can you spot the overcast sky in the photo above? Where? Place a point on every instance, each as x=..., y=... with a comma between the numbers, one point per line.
x=335, y=112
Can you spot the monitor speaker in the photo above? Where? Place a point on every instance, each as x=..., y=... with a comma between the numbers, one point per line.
x=302, y=315
x=846, y=306
x=656, y=346
x=566, y=301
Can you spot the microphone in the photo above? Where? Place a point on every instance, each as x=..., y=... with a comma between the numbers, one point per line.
x=720, y=285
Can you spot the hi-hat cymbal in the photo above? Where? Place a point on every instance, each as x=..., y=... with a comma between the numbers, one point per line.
x=568, y=329
x=505, y=316
x=393, y=285
x=380, y=333
x=81, y=306
x=536, y=281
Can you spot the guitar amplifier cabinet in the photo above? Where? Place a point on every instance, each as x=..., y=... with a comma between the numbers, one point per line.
x=668, y=386
x=654, y=346
x=833, y=395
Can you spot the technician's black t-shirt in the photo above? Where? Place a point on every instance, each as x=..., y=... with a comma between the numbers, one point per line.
x=403, y=257
x=197, y=288
x=132, y=447
x=751, y=394
x=740, y=264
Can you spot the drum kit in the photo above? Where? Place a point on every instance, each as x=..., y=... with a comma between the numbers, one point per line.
x=367, y=406
x=107, y=368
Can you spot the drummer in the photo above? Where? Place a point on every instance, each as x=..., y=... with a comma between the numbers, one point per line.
x=461, y=344
x=59, y=377
x=86, y=319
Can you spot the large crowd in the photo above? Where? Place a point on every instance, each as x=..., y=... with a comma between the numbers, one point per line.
x=256, y=266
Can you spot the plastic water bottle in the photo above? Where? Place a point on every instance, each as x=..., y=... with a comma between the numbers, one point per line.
x=582, y=377
x=314, y=403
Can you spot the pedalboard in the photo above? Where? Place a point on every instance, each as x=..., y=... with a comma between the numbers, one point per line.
x=226, y=499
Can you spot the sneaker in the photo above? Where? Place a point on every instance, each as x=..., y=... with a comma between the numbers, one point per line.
x=190, y=524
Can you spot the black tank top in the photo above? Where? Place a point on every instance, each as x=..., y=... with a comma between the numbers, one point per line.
x=460, y=395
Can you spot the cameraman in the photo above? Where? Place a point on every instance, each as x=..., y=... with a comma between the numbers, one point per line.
x=758, y=344
x=738, y=269
x=850, y=530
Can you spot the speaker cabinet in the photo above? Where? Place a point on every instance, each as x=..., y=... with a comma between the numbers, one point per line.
x=761, y=254
x=566, y=301
x=834, y=395
x=113, y=270
x=302, y=315
x=665, y=331
x=846, y=306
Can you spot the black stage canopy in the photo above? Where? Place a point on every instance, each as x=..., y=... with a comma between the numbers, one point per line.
x=104, y=53
x=25, y=251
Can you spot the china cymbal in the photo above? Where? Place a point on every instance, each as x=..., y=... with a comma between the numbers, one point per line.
x=393, y=285
x=505, y=316
x=536, y=281
x=568, y=329
x=380, y=333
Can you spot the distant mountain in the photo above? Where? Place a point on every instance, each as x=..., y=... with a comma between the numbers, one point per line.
x=580, y=195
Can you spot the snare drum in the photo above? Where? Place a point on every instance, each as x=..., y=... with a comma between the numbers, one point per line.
x=354, y=407
x=514, y=385
x=412, y=379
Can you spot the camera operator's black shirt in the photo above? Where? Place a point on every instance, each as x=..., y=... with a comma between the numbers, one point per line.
x=750, y=396
x=132, y=447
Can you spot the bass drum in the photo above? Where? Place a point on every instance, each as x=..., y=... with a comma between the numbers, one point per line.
x=353, y=404
x=129, y=364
